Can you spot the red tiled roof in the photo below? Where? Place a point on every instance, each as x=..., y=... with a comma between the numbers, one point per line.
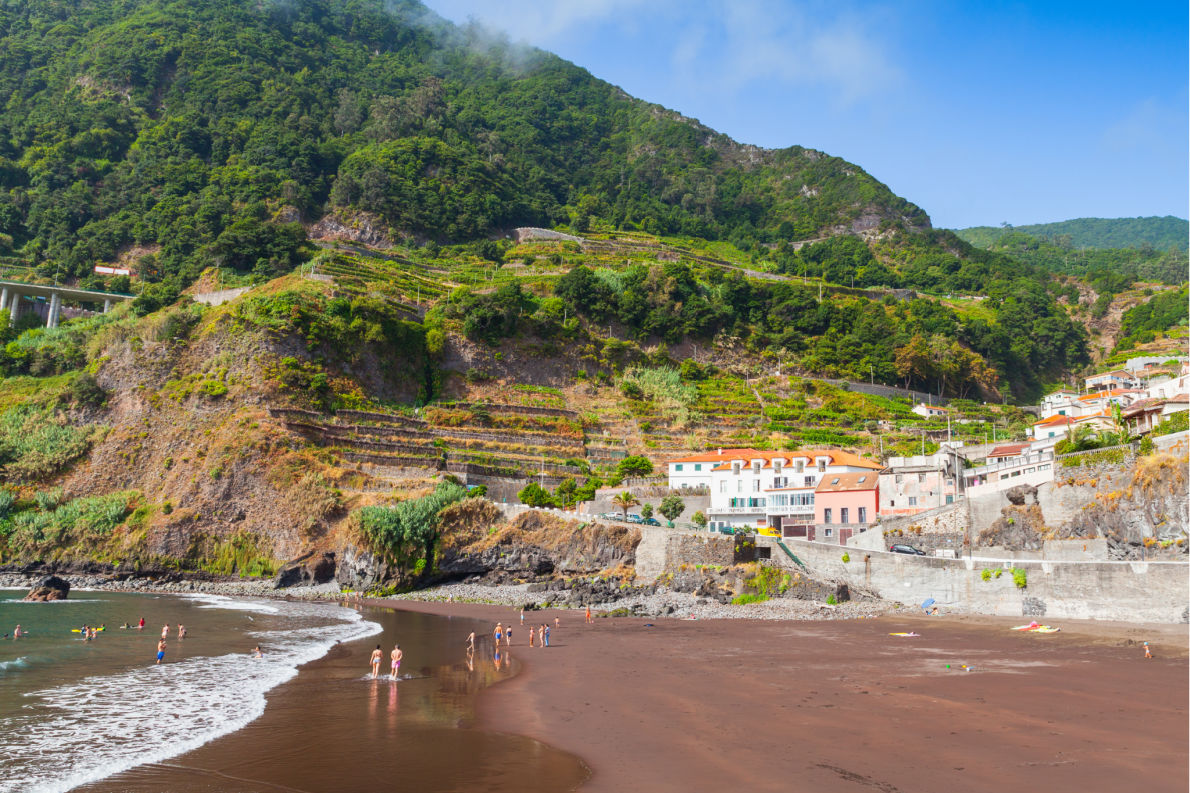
x=847, y=482
x=1054, y=420
x=716, y=456
x=1008, y=450
x=836, y=456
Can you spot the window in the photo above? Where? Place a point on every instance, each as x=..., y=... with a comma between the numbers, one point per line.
x=845, y=515
x=862, y=479
x=900, y=477
x=822, y=465
x=921, y=477
x=826, y=516
x=913, y=501
x=835, y=481
x=698, y=466
x=809, y=481
x=826, y=532
x=950, y=499
x=678, y=467
x=799, y=466
x=892, y=502
x=863, y=515
x=755, y=485
x=739, y=485
x=723, y=486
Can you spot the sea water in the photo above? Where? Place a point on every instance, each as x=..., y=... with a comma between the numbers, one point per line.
x=75, y=711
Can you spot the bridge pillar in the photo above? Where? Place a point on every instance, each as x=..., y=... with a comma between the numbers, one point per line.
x=51, y=320
x=14, y=307
x=4, y=298
x=107, y=306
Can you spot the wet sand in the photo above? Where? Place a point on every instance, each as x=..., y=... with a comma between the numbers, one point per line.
x=844, y=706
x=331, y=729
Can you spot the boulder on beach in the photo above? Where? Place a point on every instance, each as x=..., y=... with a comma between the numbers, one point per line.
x=49, y=588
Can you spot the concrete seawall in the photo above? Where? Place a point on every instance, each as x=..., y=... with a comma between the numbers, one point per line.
x=1124, y=591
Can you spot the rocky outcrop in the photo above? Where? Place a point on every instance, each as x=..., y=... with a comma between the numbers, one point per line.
x=49, y=588
x=362, y=227
x=309, y=570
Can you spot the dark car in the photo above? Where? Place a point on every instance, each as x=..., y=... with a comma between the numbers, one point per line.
x=651, y=522
x=909, y=549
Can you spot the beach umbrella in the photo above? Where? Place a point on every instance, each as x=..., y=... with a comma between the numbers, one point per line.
x=926, y=605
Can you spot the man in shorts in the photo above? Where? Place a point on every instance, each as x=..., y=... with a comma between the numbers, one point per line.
x=160, y=650
x=396, y=656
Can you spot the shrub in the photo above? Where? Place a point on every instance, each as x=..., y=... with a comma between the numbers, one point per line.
x=831, y=600
x=534, y=495
x=986, y=575
x=743, y=600
x=634, y=465
x=1019, y=577
x=699, y=519
x=846, y=557
x=409, y=530
x=646, y=511
x=999, y=572
x=673, y=506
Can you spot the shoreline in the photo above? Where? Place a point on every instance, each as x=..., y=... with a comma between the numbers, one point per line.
x=663, y=704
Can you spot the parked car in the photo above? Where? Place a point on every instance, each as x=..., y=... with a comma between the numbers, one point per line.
x=909, y=549
x=651, y=522
x=635, y=519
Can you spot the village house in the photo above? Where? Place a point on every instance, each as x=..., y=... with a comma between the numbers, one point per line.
x=1109, y=381
x=768, y=491
x=909, y=485
x=930, y=411
x=844, y=505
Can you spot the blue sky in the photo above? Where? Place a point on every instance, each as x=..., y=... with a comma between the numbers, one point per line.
x=977, y=112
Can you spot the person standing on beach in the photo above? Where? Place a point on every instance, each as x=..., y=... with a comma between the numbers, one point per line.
x=499, y=632
x=376, y=656
x=522, y=618
x=547, y=635
x=508, y=637
x=1148, y=651
x=160, y=650
x=588, y=613
x=396, y=655
x=557, y=623
x=532, y=633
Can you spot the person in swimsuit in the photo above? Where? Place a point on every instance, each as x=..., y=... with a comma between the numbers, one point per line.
x=165, y=631
x=532, y=633
x=256, y=653
x=471, y=641
x=499, y=632
x=588, y=614
x=17, y=632
x=376, y=656
x=1148, y=652
x=397, y=655
x=557, y=623
x=140, y=626
x=181, y=631
x=160, y=650
x=522, y=617
x=508, y=637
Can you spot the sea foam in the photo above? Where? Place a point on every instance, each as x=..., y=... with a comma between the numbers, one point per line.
x=104, y=725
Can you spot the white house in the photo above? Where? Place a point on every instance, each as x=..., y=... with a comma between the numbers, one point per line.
x=1108, y=381
x=909, y=485
x=930, y=411
x=695, y=470
x=1063, y=402
x=772, y=491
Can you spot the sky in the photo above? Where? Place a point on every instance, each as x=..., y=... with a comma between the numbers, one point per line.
x=979, y=112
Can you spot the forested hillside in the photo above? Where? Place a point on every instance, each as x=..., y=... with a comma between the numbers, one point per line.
x=1160, y=233
x=204, y=130
x=177, y=136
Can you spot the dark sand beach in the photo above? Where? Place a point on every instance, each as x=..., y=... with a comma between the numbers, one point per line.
x=630, y=704
x=842, y=706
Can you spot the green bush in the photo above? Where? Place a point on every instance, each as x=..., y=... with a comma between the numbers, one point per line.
x=1019, y=577
x=831, y=600
x=409, y=530
x=743, y=600
x=634, y=465
x=986, y=575
x=846, y=557
x=37, y=442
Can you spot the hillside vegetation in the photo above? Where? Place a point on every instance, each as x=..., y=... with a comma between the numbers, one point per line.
x=1160, y=233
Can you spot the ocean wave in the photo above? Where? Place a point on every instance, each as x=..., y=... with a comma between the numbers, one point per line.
x=13, y=664
x=224, y=602
x=149, y=714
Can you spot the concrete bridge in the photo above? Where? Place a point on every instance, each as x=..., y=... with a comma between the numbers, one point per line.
x=13, y=294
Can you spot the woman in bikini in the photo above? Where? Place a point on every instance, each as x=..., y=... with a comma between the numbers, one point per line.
x=376, y=656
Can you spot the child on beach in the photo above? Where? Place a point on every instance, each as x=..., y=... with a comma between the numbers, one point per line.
x=376, y=655
x=588, y=614
x=508, y=637
x=1148, y=652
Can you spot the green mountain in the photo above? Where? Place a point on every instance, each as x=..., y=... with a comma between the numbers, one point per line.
x=1161, y=233
x=199, y=126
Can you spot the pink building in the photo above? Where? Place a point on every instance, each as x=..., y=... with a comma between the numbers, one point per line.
x=844, y=504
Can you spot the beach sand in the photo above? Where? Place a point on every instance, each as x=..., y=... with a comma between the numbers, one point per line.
x=665, y=705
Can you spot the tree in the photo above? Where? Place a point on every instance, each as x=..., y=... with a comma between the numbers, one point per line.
x=625, y=501
x=699, y=519
x=646, y=510
x=566, y=492
x=534, y=495
x=671, y=507
x=634, y=465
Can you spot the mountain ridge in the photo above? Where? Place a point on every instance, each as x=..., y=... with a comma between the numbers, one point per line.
x=1159, y=232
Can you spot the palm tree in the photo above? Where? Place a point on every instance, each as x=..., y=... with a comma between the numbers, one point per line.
x=625, y=501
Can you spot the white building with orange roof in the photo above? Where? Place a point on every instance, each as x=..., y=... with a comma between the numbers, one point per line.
x=1109, y=381
x=693, y=471
x=769, y=491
